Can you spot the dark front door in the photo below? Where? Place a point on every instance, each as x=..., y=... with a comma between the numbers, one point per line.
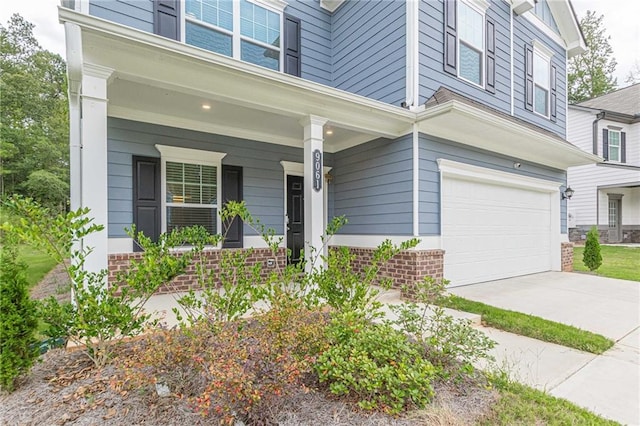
x=146, y=197
x=295, y=216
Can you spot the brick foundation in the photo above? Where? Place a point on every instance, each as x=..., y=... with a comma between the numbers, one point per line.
x=406, y=268
x=566, y=257
x=630, y=234
x=187, y=281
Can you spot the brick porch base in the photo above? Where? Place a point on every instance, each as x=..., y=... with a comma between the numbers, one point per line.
x=566, y=257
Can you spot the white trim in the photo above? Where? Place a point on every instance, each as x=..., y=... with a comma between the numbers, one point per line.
x=546, y=30
x=431, y=242
x=192, y=156
x=617, y=130
x=511, y=86
x=120, y=245
x=482, y=174
x=480, y=5
x=542, y=50
x=189, y=155
x=412, y=53
x=331, y=5
x=521, y=6
x=416, y=179
x=256, y=241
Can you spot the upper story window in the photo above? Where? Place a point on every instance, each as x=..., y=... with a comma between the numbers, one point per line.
x=470, y=43
x=614, y=145
x=540, y=82
x=240, y=29
x=541, y=72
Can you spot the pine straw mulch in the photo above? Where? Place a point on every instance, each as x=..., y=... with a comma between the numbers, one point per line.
x=66, y=389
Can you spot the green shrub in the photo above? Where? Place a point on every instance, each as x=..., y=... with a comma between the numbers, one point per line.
x=449, y=342
x=592, y=257
x=18, y=318
x=375, y=364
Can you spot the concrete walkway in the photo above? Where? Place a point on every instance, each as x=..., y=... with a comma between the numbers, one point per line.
x=608, y=384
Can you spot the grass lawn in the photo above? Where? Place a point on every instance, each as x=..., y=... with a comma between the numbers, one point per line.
x=532, y=326
x=617, y=262
x=523, y=405
x=38, y=264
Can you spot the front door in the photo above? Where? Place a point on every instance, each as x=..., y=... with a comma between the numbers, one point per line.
x=615, y=218
x=295, y=217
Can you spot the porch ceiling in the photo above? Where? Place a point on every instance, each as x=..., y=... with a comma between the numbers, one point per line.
x=247, y=100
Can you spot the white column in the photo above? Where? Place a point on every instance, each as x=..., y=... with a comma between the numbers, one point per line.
x=93, y=168
x=313, y=186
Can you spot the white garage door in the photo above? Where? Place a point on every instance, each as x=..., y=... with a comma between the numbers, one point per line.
x=492, y=231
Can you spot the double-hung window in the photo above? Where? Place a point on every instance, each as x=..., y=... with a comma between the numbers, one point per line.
x=470, y=43
x=541, y=73
x=614, y=146
x=241, y=29
x=191, y=188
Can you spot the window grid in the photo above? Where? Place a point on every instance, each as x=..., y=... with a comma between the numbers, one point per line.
x=470, y=44
x=541, y=76
x=613, y=214
x=614, y=145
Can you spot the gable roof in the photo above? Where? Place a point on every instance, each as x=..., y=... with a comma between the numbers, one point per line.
x=569, y=26
x=623, y=101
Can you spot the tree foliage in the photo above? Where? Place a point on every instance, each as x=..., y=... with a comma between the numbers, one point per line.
x=34, y=114
x=591, y=74
x=633, y=76
x=592, y=257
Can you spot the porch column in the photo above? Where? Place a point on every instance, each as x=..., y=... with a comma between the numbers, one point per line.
x=313, y=186
x=93, y=167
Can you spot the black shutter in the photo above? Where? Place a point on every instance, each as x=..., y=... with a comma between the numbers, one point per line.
x=528, y=84
x=623, y=147
x=491, y=56
x=292, y=57
x=554, y=97
x=605, y=144
x=232, y=191
x=146, y=197
x=166, y=18
x=450, y=37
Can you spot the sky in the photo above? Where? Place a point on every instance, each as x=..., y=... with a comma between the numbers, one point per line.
x=621, y=19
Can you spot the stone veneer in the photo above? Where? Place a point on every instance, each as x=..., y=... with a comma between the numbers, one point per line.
x=119, y=262
x=566, y=257
x=405, y=268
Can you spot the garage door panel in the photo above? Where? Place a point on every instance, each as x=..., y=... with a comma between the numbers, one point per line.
x=491, y=231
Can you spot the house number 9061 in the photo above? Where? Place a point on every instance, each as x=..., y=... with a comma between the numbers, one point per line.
x=317, y=170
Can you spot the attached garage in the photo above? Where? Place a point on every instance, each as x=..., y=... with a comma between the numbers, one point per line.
x=496, y=224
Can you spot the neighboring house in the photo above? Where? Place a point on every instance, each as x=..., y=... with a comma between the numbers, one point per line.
x=607, y=194
x=440, y=120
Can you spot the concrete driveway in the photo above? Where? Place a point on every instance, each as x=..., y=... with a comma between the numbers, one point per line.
x=608, y=384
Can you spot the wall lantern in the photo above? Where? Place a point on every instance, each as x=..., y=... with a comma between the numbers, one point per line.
x=568, y=193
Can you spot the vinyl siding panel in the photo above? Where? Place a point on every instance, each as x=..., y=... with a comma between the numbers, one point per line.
x=263, y=176
x=524, y=32
x=431, y=149
x=368, y=44
x=315, y=34
x=137, y=14
x=372, y=187
x=431, y=50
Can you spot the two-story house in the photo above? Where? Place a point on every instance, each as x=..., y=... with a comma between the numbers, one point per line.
x=442, y=120
x=608, y=193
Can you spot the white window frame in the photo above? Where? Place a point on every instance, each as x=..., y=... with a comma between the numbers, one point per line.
x=189, y=156
x=481, y=7
x=619, y=146
x=276, y=6
x=545, y=54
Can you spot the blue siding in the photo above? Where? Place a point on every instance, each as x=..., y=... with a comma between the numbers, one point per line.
x=431, y=41
x=433, y=148
x=137, y=14
x=369, y=54
x=372, y=187
x=263, y=176
x=524, y=32
x=315, y=36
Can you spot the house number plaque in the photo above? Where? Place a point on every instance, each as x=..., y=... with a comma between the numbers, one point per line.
x=317, y=170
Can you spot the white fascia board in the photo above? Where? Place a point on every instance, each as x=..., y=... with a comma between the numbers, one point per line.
x=568, y=26
x=542, y=26
x=331, y=5
x=134, y=53
x=524, y=143
x=188, y=155
x=482, y=174
x=522, y=6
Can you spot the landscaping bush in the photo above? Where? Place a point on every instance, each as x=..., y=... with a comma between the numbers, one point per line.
x=592, y=257
x=376, y=365
x=18, y=318
x=450, y=343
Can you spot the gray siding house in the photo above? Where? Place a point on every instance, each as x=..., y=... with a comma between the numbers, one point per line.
x=442, y=120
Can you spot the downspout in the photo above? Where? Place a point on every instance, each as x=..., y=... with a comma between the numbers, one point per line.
x=416, y=180
x=412, y=34
x=594, y=126
x=511, y=56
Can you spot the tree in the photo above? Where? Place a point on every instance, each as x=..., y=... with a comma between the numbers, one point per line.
x=633, y=77
x=592, y=257
x=591, y=74
x=34, y=132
